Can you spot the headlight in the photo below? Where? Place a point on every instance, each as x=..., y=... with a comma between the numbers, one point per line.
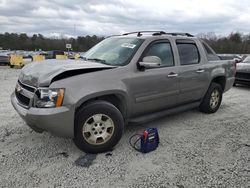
x=49, y=98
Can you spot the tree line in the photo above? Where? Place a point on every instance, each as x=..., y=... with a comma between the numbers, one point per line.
x=14, y=41
x=233, y=43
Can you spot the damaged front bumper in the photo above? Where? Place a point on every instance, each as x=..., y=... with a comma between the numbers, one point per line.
x=58, y=121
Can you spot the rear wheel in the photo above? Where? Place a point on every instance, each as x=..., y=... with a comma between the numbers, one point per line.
x=212, y=99
x=98, y=127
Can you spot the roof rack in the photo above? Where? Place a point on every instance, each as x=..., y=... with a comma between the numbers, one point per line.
x=180, y=34
x=139, y=33
x=155, y=33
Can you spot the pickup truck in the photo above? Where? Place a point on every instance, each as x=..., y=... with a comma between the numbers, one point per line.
x=131, y=78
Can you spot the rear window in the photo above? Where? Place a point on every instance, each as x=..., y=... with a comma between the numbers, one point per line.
x=188, y=53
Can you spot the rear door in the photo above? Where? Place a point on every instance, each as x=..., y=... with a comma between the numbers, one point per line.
x=155, y=89
x=192, y=73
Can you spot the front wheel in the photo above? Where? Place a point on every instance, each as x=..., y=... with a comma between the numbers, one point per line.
x=98, y=127
x=212, y=100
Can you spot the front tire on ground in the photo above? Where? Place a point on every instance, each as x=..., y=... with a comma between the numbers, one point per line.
x=212, y=100
x=98, y=127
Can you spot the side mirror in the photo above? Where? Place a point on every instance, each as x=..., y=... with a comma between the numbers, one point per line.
x=150, y=62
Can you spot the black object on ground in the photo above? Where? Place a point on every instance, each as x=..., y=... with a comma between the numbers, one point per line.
x=108, y=154
x=248, y=145
x=86, y=160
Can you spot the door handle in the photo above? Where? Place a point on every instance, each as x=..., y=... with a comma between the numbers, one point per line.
x=172, y=75
x=200, y=71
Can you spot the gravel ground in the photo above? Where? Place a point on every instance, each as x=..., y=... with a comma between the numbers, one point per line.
x=196, y=150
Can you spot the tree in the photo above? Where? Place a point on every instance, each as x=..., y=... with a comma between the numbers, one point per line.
x=34, y=37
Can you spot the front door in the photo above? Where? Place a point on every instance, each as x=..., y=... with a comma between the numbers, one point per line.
x=155, y=89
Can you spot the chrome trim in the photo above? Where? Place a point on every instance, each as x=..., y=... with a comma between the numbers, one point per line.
x=200, y=71
x=26, y=93
x=172, y=75
x=28, y=86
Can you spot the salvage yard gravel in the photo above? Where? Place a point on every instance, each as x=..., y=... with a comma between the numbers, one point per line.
x=195, y=150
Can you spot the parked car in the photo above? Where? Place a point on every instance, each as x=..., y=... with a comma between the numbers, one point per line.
x=4, y=58
x=20, y=58
x=135, y=77
x=244, y=56
x=27, y=57
x=235, y=57
x=243, y=72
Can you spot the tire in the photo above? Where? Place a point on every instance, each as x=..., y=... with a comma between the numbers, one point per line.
x=209, y=105
x=11, y=66
x=98, y=127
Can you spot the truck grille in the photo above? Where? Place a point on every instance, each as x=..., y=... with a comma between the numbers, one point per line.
x=245, y=76
x=29, y=88
x=24, y=94
x=22, y=99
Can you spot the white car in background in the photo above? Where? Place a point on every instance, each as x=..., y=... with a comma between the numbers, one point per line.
x=5, y=57
x=243, y=72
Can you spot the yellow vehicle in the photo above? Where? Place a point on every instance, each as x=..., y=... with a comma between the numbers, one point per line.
x=77, y=56
x=38, y=57
x=16, y=61
x=61, y=57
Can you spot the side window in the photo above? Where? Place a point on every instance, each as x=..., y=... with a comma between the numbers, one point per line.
x=162, y=50
x=207, y=49
x=188, y=53
x=211, y=55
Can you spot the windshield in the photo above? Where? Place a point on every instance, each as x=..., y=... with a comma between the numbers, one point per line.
x=247, y=60
x=114, y=51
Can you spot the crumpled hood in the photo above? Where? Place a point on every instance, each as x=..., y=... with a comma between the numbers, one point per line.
x=243, y=67
x=40, y=74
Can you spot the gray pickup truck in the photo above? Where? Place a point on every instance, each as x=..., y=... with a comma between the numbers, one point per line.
x=131, y=78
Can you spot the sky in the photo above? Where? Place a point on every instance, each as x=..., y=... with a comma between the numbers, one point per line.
x=109, y=17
